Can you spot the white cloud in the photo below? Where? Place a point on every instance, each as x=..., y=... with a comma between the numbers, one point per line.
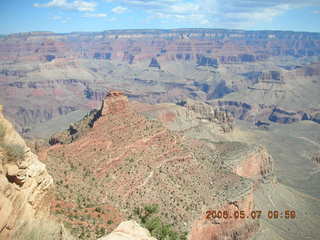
x=266, y=14
x=184, y=8
x=216, y=13
x=95, y=15
x=316, y=12
x=60, y=18
x=79, y=5
x=119, y=10
x=56, y=18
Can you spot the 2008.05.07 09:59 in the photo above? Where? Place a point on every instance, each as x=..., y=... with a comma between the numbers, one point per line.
x=255, y=214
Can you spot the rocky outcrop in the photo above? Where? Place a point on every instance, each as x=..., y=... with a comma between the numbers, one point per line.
x=316, y=158
x=281, y=116
x=25, y=185
x=309, y=70
x=129, y=230
x=219, y=91
x=154, y=63
x=115, y=102
x=99, y=55
x=93, y=94
x=267, y=77
x=133, y=161
x=263, y=114
x=188, y=114
x=249, y=161
x=240, y=110
x=75, y=130
x=214, y=115
x=257, y=165
x=227, y=228
x=206, y=61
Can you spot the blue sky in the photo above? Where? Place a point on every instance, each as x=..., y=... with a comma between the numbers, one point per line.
x=99, y=15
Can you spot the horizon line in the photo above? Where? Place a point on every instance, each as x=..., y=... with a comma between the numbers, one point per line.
x=153, y=29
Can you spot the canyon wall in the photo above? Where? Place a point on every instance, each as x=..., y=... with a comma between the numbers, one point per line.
x=188, y=114
x=45, y=75
x=206, y=46
x=227, y=228
x=25, y=191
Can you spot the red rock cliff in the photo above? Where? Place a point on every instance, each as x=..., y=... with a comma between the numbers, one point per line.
x=114, y=102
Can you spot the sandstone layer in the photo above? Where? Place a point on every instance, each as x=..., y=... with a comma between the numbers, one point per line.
x=189, y=114
x=176, y=44
x=25, y=190
x=47, y=76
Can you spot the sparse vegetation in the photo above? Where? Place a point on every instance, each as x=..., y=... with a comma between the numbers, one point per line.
x=129, y=159
x=13, y=152
x=182, y=103
x=2, y=131
x=153, y=223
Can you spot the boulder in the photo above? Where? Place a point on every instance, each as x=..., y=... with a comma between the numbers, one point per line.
x=129, y=230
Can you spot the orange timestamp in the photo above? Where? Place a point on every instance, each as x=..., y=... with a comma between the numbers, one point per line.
x=254, y=214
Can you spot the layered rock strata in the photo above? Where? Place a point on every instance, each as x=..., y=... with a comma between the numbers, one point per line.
x=249, y=161
x=25, y=185
x=134, y=161
x=206, y=46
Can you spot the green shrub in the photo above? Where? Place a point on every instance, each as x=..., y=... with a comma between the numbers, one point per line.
x=2, y=131
x=182, y=103
x=99, y=210
x=157, y=228
x=100, y=232
x=152, y=208
x=153, y=223
x=14, y=152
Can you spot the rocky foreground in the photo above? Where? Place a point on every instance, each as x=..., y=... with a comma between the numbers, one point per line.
x=129, y=230
x=26, y=188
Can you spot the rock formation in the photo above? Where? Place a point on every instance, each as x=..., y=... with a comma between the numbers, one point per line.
x=129, y=230
x=133, y=161
x=224, y=228
x=176, y=44
x=188, y=114
x=46, y=75
x=115, y=102
x=269, y=77
x=25, y=189
x=154, y=63
x=250, y=161
x=316, y=158
x=208, y=113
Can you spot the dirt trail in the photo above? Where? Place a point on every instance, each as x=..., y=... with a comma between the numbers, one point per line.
x=310, y=141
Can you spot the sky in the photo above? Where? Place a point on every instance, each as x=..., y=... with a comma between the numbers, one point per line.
x=64, y=16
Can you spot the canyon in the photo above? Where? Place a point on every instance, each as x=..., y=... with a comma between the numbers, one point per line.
x=119, y=122
x=140, y=162
x=251, y=74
